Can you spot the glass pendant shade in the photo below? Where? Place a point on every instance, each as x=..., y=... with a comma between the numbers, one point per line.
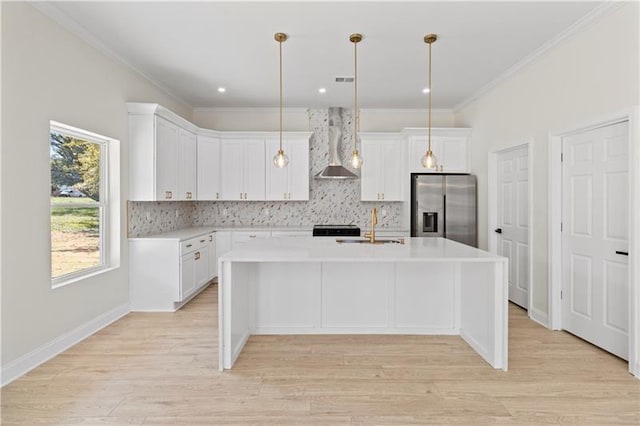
x=356, y=160
x=429, y=160
x=280, y=159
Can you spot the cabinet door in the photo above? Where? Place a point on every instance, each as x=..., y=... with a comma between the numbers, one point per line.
x=276, y=179
x=208, y=187
x=298, y=152
x=455, y=155
x=187, y=275
x=213, y=260
x=187, y=166
x=231, y=187
x=418, y=147
x=253, y=175
x=370, y=174
x=201, y=262
x=390, y=157
x=166, y=160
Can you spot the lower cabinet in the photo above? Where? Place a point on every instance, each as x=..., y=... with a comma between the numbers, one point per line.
x=164, y=273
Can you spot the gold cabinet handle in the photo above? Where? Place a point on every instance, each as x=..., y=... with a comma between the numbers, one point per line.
x=383, y=195
x=202, y=241
x=285, y=195
x=252, y=236
x=197, y=255
x=189, y=245
x=210, y=237
x=241, y=195
x=167, y=194
x=245, y=195
x=217, y=195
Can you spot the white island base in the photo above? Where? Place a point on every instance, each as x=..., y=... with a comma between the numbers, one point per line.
x=428, y=286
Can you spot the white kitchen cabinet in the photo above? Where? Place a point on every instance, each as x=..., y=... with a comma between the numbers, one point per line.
x=382, y=174
x=242, y=170
x=166, y=271
x=241, y=237
x=450, y=146
x=291, y=233
x=213, y=257
x=291, y=182
x=223, y=243
x=162, y=154
x=187, y=164
x=208, y=155
x=167, y=146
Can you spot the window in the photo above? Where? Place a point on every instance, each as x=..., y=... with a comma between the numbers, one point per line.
x=79, y=202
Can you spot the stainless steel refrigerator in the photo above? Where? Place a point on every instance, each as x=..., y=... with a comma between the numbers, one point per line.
x=444, y=205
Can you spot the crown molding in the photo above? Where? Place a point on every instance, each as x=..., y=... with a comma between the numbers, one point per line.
x=52, y=11
x=582, y=23
x=292, y=110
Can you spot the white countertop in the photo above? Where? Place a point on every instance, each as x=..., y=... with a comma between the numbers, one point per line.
x=309, y=249
x=179, y=234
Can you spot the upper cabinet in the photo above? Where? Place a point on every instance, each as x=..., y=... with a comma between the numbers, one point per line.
x=187, y=165
x=242, y=172
x=208, y=159
x=291, y=182
x=382, y=168
x=450, y=146
x=162, y=155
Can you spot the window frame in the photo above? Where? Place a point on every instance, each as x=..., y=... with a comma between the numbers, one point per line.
x=103, y=204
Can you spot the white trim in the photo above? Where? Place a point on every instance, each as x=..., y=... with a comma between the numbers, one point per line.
x=539, y=316
x=31, y=360
x=632, y=115
x=492, y=208
x=577, y=26
x=289, y=110
x=52, y=11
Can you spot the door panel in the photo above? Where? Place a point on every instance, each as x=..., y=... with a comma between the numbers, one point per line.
x=429, y=207
x=595, y=223
x=513, y=220
x=460, y=209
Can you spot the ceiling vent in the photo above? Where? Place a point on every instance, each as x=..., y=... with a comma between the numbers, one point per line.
x=344, y=79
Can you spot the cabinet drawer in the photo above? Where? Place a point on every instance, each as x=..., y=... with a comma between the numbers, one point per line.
x=241, y=237
x=193, y=244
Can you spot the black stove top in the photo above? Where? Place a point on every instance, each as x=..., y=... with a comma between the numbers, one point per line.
x=336, y=231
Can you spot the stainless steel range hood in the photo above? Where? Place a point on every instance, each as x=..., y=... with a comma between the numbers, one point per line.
x=335, y=169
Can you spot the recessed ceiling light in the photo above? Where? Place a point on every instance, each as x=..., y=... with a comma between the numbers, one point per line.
x=221, y=89
x=425, y=90
x=322, y=90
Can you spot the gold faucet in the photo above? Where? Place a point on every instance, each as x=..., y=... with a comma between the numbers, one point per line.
x=371, y=235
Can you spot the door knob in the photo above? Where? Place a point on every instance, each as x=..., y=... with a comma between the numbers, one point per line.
x=498, y=231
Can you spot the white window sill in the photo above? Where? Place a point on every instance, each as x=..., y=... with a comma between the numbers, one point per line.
x=62, y=282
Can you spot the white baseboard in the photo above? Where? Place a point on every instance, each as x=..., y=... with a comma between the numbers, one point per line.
x=31, y=360
x=540, y=317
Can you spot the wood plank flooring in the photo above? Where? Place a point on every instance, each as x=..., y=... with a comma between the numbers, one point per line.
x=162, y=369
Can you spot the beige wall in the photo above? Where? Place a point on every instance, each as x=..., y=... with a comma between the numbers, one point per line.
x=294, y=119
x=589, y=75
x=49, y=74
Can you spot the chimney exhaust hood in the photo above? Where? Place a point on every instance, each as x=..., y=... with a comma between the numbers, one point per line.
x=335, y=170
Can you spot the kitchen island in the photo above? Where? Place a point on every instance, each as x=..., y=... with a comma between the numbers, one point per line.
x=304, y=285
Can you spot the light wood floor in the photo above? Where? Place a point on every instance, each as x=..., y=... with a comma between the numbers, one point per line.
x=162, y=369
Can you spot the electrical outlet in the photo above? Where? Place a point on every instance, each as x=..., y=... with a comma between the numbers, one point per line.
x=266, y=212
x=225, y=212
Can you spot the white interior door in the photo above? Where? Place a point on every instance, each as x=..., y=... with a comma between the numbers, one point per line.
x=513, y=220
x=595, y=284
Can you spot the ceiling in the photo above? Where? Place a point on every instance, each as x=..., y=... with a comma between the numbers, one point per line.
x=192, y=48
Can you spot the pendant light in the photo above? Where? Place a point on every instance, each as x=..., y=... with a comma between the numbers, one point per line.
x=429, y=160
x=280, y=159
x=356, y=159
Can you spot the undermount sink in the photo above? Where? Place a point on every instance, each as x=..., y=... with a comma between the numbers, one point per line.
x=366, y=241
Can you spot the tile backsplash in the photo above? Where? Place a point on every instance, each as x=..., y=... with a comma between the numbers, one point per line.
x=330, y=201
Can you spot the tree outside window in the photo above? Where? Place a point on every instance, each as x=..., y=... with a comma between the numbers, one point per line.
x=78, y=213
